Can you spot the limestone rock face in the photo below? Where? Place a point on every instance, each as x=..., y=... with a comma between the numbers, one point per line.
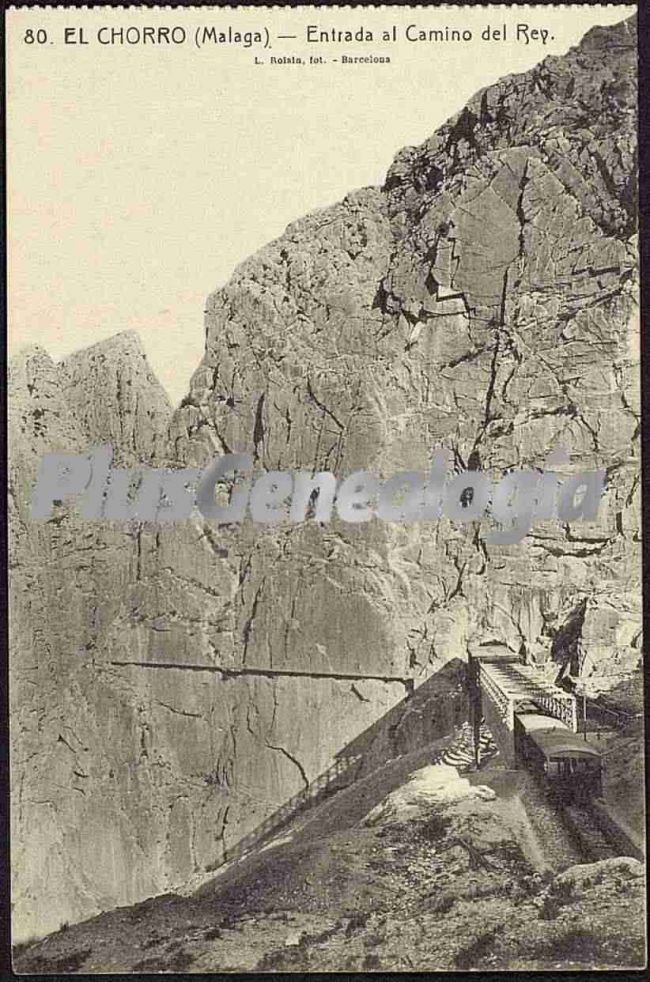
x=112, y=391
x=121, y=776
x=172, y=686
x=485, y=300
x=75, y=847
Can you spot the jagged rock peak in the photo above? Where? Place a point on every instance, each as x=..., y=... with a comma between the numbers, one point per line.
x=126, y=342
x=577, y=109
x=113, y=392
x=105, y=393
x=24, y=356
x=601, y=38
x=40, y=420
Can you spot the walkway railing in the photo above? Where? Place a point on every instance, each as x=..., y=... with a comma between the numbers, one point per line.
x=498, y=697
x=561, y=707
x=508, y=683
x=302, y=801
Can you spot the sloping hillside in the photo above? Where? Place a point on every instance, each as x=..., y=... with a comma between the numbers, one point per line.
x=413, y=867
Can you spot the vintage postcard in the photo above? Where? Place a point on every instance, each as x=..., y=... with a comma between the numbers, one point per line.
x=324, y=489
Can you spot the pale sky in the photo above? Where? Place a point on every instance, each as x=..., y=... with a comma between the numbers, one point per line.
x=140, y=177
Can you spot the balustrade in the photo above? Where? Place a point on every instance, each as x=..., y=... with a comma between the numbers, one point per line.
x=509, y=683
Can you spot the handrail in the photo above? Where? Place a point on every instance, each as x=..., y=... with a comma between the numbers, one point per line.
x=559, y=704
x=306, y=797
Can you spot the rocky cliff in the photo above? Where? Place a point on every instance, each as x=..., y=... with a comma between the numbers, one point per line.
x=173, y=686
x=76, y=733
x=483, y=299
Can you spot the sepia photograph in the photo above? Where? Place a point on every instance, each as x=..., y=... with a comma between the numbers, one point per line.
x=324, y=489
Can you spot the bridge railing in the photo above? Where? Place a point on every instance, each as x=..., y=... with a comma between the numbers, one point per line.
x=304, y=799
x=561, y=707
x=502, y=702
x=558, y=704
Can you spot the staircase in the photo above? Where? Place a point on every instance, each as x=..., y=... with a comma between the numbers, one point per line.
x=459, y=754
x=339, y=775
